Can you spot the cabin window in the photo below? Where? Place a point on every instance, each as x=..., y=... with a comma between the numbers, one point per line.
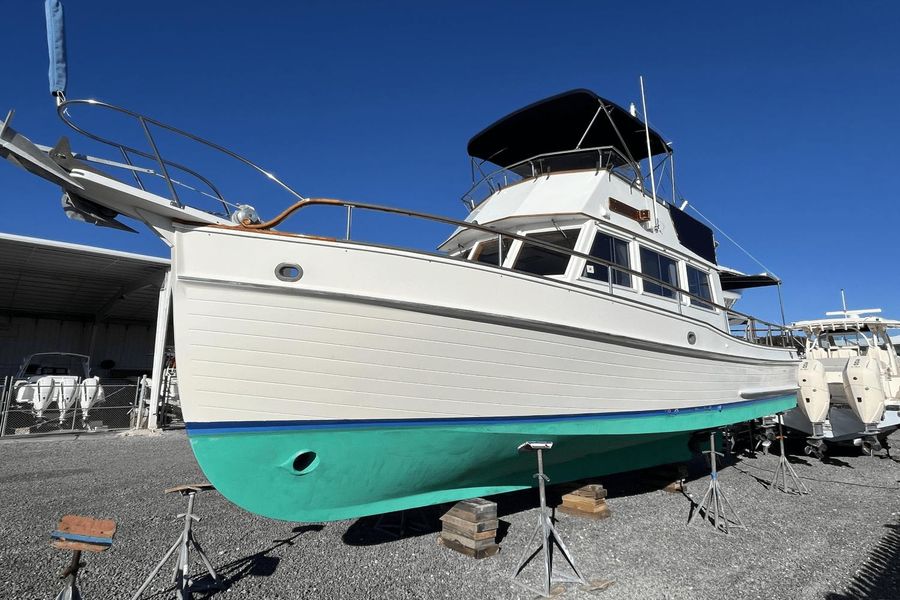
x=660, y=267
x=540, y=261
x=488, y=252
x=698, y=285
x=612, y=250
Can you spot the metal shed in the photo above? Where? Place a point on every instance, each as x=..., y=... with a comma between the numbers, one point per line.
x=62, y=297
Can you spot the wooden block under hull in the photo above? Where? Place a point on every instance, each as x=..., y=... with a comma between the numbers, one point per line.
x=599, y=512
x=594, y=491
x=474, y=510
x=469, y=526
x=485, y=552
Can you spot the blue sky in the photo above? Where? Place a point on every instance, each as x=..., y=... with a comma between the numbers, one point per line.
x=783, y=115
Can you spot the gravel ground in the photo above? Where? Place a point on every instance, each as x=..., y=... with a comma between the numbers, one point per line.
x=840, y=542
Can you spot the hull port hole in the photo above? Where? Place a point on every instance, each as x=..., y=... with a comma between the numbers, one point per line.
x=305, y=462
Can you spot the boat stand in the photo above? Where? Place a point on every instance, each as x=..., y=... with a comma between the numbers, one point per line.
x=184, y=585
x=785, y=470
x=80, y=534
x=714, y=505
x=548, y=533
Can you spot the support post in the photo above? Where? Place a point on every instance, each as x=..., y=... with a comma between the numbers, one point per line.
x=548, y=535
x=159, y=348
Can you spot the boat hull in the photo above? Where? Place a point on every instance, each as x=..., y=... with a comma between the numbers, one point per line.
x=364, y=468
x=382, y=379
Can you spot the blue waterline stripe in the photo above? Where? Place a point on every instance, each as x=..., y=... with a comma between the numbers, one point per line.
x=214, y=427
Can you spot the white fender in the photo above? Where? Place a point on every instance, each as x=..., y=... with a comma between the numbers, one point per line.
x=863, y=387
x=44, y=394
x=814, y=399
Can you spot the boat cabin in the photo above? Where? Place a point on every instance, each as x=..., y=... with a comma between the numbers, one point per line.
x=567, y=172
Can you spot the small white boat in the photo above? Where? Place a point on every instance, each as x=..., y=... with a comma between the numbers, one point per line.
x=849, y=381
x=57, y=377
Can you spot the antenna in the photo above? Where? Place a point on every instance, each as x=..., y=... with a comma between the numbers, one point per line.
x=844, y=301
x=649, y=155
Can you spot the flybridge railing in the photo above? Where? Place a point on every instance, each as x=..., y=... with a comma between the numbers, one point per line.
x=757, y=330
x=598, y=158
x=146, y=126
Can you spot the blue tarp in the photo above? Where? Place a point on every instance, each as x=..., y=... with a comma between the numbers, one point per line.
x=56, y=44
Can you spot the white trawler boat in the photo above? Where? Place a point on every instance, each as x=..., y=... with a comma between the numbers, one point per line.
x=327, y=378
x=849, y=381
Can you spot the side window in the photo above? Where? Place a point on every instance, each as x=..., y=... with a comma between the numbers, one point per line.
x=613, y=250
x=698, y=285
x=489, y=252
x=540, y=261
x=660, y=267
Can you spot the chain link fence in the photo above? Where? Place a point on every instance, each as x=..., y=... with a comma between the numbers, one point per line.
x=122, y=405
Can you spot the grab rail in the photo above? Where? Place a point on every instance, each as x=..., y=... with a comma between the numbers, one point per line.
x=469, y=200
x=679, y=292
x=144, y=121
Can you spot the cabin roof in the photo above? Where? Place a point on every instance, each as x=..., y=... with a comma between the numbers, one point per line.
x=557, y=124
x=837, y=325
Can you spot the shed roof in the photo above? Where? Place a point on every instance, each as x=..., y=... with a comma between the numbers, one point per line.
x=46, y=278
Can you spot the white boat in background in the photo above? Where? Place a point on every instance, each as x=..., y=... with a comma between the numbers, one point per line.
x=325, y=378
x=62, y=378
x=849, y=381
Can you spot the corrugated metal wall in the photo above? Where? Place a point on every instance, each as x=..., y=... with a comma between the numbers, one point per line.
x=130, y=346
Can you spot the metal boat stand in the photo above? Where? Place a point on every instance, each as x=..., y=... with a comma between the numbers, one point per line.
x=714, y=505
x=785, y=469
x=80, y=534
x=548, y=533
x=184, y=585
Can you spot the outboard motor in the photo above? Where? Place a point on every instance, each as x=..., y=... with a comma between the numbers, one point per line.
x=44, y=393
x=863, y=387
x=865, y=394
x=814, y=401
x=91, y=393
x=66, y=395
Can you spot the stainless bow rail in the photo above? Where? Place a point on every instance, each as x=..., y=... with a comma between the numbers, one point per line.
x=146, y=123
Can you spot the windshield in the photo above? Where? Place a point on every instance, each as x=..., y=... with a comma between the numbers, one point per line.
x=54, y=364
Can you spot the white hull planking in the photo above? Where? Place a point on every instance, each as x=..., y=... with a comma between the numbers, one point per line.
x=466, y=340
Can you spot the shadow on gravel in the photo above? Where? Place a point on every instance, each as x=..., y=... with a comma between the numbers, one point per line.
x=383, y=529
x=879, y=576
x=390, y=527
x=258, y=564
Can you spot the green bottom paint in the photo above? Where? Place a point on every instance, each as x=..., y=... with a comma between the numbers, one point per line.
x=326, y=474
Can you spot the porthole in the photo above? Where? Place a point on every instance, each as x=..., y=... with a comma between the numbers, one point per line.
x=305, y=462
x=288, y=272
x=692, y=338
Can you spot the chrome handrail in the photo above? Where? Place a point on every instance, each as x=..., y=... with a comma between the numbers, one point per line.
x=164, y=164
x=608, y=150
x=679, y=292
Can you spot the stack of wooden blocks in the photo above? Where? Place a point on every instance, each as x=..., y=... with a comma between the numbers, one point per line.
x=587, y=501
x=470, y=528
